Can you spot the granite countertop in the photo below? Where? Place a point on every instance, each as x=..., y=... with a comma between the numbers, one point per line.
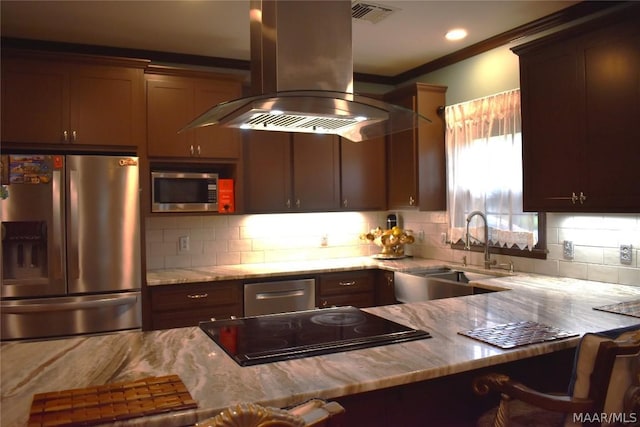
x=177, y=276
x=216, y=381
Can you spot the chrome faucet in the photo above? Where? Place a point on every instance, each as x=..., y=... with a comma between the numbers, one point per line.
x=488, y=262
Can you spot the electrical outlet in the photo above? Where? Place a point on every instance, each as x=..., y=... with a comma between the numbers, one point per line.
x=567, y=249
x=443, y=238
x=183, y=244
x=625, y=254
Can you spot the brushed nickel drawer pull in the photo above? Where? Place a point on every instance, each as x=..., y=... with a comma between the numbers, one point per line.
x=351, y=283
x=573, y=198
x=197, y=296
x=583, y=197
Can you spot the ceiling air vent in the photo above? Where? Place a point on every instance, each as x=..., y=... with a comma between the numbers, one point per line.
x=371, y=12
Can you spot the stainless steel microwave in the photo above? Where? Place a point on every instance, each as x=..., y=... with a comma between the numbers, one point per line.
x=173, y=191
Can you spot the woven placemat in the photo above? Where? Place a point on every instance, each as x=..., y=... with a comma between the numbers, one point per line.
x=516, y=334
x=111, y=402
x=628, y=308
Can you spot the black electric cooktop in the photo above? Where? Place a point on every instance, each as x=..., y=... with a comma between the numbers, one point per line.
x=275, y=337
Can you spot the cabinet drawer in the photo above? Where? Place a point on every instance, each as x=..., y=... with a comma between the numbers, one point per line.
x=346, y=283
x=360, y=300
x=181, y=297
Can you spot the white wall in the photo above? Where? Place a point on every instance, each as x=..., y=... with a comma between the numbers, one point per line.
x=491, y=72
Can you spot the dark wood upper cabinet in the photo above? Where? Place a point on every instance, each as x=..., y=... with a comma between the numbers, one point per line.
x=363, y=174
x=267, y=166
x=580, y=106
x=287, y=172
x=176, y=97
x=69, y=99
x=316, y=172
x=416, y=157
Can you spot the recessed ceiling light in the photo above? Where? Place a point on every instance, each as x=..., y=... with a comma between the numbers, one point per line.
x=456, y=34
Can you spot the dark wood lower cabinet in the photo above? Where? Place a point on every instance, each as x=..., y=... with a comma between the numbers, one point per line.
x=354, y=288
x=181, y=305
x=176, y=306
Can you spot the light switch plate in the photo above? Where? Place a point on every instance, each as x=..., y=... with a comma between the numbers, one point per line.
x=567, y=249
x=626, y=254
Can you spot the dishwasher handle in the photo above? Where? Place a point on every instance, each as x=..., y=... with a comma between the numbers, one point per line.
x=280, y=294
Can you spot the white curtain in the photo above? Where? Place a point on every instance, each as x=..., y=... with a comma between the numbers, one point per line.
x=484, y=152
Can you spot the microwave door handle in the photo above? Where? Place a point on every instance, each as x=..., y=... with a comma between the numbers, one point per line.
x=74, y=262
x=57, y=266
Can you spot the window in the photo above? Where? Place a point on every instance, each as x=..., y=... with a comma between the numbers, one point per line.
x=484, y=173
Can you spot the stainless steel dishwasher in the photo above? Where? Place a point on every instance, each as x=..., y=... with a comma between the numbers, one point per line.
x=279, y=296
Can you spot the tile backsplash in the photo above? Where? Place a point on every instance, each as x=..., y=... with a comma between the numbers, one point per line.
x=248, y=239
x=243, y=239
x=596, y=240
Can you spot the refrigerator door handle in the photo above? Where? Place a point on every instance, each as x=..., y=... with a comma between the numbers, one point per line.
x=72, y=249
x=57, y=223
x=73, y=305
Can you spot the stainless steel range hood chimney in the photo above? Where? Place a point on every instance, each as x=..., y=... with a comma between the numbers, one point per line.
x=302, y=76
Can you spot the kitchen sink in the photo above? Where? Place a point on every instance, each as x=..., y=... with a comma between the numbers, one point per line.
x=437, y=283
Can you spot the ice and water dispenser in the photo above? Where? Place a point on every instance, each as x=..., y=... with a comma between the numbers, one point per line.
x=24, y=249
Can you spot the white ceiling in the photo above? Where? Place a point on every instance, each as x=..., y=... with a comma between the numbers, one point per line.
x=413, y=35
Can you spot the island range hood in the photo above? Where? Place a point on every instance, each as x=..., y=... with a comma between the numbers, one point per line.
x=302, y=77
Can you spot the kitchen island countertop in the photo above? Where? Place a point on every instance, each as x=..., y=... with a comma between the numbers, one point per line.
x=215, y=381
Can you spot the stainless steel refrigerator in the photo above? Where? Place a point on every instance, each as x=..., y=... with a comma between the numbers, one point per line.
x=70, y=245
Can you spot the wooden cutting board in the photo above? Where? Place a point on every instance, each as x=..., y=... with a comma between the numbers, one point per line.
x=110, y=402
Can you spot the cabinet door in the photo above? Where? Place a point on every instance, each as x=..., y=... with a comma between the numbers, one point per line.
x=580, y=98
x=417, y=164
x=175, y=100
x=385, y=288
x=267, y=164
x=552, y=103
x=402, y=187
x=432, y=173
x=106, y=105
x=612, y=104
x=35, y=105
x=215, y=141
x=363, y=174
x=316, y=179
x=169, y=108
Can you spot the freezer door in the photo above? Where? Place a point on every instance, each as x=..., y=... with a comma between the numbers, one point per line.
x=33, y=257
x=103, y=224
x=64, y=316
